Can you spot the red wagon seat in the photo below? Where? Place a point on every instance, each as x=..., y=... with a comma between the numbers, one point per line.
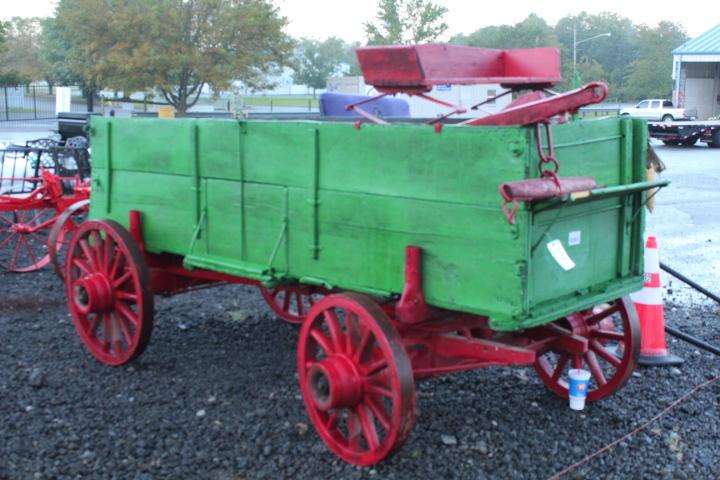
x=417, y=68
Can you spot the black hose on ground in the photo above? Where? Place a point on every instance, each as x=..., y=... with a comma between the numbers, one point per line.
x=682, y=335
x=694, y=285
x=692, y=340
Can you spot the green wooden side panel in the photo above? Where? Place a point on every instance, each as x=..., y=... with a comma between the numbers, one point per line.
x=583, y=230
x=328, y=203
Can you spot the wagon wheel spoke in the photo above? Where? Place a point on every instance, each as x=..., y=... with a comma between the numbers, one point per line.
x=368, y=427
x=608, y=335
x=286, y=302
x=332, y=420
x=107, y=332
x=354, y=431
x=336, y=335
x=82, y=265
x=296, y=306
x=362, y=346
x=89, y=254
x=381, y=390
x=596, y=318
x=603, y=353
x=375, y=367
x=93, y=325
x=595, y=368
x=378, y=410
x=118, y=262
x=8, y=239
x=16, y=253
x=119, y=282
x=36, y=217
x=127, y=313
x=33, y=258
x=322, y=341
x=560, y=368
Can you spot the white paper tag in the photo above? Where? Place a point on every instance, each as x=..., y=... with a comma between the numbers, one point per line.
x=560, y=255
x=574, y=238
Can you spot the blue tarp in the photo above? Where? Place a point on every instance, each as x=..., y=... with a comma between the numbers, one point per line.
x=333, y=105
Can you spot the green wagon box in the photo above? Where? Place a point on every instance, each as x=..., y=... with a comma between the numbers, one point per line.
x=330, y=205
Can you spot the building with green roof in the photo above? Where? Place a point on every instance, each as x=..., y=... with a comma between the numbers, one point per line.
x=696, y=73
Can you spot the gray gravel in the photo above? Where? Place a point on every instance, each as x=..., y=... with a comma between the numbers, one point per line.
x=215, y=396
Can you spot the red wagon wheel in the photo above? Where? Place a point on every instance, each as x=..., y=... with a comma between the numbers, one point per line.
x=23, y=239
x=613, y=333
x=356, y=380
x=292, y=303
x=108, y=291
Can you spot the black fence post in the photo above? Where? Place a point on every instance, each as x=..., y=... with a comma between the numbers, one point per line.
x=7, y=110
x=35, y=101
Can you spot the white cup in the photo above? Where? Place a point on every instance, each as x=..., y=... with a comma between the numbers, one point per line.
x=579, y=382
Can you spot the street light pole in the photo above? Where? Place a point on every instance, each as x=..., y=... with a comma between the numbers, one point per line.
x=576, y=43
x=574, y=53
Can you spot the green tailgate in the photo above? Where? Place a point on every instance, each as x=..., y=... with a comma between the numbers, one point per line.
x=326, y=203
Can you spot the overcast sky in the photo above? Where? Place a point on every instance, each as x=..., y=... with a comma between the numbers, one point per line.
x=345, y=18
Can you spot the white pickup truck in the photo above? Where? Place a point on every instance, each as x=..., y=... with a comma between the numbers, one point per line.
x=659, y=110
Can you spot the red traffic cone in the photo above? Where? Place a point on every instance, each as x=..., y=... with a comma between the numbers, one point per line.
x=649, y=306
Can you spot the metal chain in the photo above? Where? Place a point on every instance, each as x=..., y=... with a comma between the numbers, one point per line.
x=548, y=166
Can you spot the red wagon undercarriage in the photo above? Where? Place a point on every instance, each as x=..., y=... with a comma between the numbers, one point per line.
x=358, y=357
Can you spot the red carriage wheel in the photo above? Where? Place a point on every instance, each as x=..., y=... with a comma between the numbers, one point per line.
x=292, y=303
x=613, y=333
x=23, y=239
x=356, y=380
x=108, y=291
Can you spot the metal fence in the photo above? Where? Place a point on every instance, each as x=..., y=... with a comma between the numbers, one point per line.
x=30, y=105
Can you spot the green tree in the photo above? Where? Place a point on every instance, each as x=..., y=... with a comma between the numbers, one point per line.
x=54, y=49
x=21, y=52
x=176, y=46
x=406, y=21
x=8, y=77
x=650, y=74
x=531, y=32
x=316, y=61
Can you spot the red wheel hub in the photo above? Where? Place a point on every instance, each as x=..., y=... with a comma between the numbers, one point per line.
x=21, y=228
x=93, y=293
x=334, y=383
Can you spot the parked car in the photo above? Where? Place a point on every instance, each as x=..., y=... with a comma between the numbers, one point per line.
x=659, y=110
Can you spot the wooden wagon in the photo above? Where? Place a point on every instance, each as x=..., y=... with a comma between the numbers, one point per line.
x=405, y=251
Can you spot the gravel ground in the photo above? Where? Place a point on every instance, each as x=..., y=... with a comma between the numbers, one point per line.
x=215, y=396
